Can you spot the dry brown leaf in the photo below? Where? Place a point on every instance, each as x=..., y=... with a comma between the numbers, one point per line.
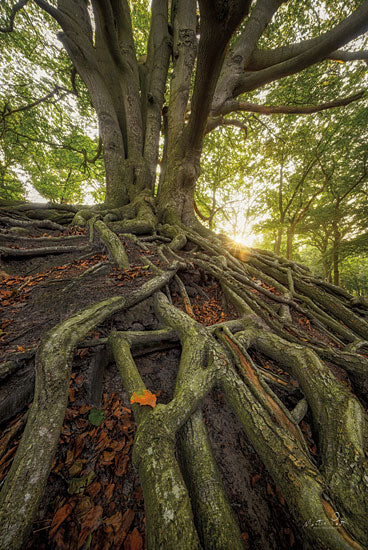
x=133, y=541
x=61, y=516
x=121, y=464
x=79, y=444
x=128, y=519
x=90, y=523
x=109, y=491
x=94, y=489
x=116, y=521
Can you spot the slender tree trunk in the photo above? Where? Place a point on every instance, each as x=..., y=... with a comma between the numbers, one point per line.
x=277, y=245
x=289, y=242
x=335, y=259
x=336, y=248
x=326, y=268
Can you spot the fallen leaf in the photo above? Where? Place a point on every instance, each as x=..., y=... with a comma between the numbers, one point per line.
x=76, y=468
x=82, y=352
x=145, y=398
x=96, y=417
x=121, y=464
x=107, y=458
x=94, y=489
x=118, y=445
x=91, y=521
x=255, y=478
x=61, y=516
x=71, y=395
x=133, y=541
x=279, y=495
x=69, y=457
x=79, y=444
x=77, y=485
x=245, y=538
x=128, y=519
x=82, y=508
x=109, y=491
x=116, y=521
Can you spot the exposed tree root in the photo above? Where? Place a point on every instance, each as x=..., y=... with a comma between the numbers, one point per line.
x=6, y=252
x=45, y=224
x=113, y=244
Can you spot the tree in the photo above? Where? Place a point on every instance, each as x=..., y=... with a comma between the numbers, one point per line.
x=215, y=53
x=300, y=178
x=339, y=217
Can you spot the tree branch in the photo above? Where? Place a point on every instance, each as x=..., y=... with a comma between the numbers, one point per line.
x=221, y=121
x=237, y=58
x=17, y=7
x=56, y=90
x=261, y=59
x=54, y=12
x=341, y=55
x=234, y=105
x=316, y=50
x=184, y=54
x=153, y=88
x=219, y=20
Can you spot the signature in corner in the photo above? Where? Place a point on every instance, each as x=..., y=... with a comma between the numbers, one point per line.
x=323, y=524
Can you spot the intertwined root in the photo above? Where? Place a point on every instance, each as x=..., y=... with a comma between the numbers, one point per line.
x=187, y=507
x=26, y=480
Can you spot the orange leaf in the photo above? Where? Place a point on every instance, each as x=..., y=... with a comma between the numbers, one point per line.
x=107, y=458
x=147, y=398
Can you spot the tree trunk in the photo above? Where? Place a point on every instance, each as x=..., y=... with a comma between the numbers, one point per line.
x=277, y=245
x=289, y=242
x=335, y=253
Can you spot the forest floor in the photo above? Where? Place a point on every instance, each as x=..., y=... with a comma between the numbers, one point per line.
x=93, y=497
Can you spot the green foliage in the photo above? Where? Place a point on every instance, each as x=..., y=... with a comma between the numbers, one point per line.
x=354, y=274
x=48, y=129
x=96, y=416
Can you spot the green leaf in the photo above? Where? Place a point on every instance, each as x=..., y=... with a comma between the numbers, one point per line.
x=77, y=485
x=96, y=416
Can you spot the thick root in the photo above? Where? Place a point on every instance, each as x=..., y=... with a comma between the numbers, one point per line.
x=113, y=244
